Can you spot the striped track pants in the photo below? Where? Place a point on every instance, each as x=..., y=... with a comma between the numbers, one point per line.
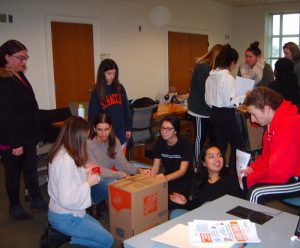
x=260, y=193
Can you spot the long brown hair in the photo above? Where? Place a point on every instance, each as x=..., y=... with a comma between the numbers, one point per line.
x=104, y=118
x=72, y=137
x=106, y=65
x=210, y=56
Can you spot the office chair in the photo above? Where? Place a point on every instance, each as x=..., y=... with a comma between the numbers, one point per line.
x=142, y=112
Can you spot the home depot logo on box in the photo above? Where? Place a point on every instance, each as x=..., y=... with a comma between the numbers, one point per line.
x=150, y=204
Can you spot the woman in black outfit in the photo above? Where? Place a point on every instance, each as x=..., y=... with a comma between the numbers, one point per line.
x=212, y=181
x=19, y=129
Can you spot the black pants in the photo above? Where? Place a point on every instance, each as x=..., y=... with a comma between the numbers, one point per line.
x=262, y=192
x=13, y=168
x=227, y=131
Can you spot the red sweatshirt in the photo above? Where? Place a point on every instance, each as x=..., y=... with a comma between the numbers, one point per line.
x=280, y=157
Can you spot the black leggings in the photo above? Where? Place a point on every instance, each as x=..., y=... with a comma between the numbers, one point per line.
x=227, y=131
x=13, y=167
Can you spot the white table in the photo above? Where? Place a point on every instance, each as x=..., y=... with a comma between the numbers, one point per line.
x=276, y=233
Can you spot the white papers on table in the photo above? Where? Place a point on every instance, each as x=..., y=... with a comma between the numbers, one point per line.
x=242, y=160
x=177, y=236
x=242, y=85
x=227, y=232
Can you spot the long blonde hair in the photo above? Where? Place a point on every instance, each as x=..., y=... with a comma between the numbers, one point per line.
x=210, y=56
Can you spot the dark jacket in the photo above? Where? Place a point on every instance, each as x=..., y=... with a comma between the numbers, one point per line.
x=19, y=112
x=196, y=101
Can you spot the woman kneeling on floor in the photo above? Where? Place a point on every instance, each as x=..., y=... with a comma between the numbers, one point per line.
x=69, y=187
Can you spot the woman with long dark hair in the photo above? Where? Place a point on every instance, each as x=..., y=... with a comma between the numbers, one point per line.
x=105, y=150
x=109, y=96
x=69, y=187
x=220, y=95
x=212, y=181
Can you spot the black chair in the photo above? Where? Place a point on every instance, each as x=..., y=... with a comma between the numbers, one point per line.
x=142, y=117
x=49, y=133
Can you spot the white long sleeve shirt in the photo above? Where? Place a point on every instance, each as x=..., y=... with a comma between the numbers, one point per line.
x=220, y=90
x=67, y=187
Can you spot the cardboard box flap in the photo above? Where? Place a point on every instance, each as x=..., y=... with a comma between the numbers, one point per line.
x=137, y=183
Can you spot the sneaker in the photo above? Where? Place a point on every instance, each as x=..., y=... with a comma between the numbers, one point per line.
x=38, y=205
x=18, y=213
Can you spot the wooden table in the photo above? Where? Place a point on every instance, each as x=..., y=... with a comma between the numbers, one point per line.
x=165, y=109
x=168, y=109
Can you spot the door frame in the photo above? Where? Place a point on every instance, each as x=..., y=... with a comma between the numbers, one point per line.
x=179, y=30
x=49, y=52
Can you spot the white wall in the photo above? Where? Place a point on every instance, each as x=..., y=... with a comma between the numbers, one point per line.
x=141, y=56
x=250, y=25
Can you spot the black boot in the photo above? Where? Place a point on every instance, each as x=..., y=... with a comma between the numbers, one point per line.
x=18, y=213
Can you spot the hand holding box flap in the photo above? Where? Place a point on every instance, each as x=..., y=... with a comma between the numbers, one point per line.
x=120, y=199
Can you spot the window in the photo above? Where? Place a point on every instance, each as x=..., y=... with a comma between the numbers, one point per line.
x=284, y=28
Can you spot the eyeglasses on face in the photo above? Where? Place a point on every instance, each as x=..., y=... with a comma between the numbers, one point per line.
x=21, y=58
x=168, y=129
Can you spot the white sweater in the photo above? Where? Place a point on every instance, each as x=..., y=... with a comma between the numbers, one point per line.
x=67, y=187
x=220, y=90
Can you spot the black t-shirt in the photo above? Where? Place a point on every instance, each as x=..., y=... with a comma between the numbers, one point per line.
x=171, y=157
x=227, y=184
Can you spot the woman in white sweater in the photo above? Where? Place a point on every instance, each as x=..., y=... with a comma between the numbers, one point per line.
x=220, y=95
x=69, y=187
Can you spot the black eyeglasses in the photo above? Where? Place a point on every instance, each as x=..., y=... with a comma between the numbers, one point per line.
x=21, y=58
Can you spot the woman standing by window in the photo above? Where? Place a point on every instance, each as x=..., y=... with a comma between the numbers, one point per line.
x=255, y=67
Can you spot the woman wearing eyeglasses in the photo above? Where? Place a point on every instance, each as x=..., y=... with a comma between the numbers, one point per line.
x=175, y=153
x=19, y=129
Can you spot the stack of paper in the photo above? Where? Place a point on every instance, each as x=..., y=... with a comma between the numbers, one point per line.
x=205, y=233
x=230, y=232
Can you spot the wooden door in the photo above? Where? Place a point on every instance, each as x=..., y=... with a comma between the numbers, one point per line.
x=73, y=62
x=183, y=48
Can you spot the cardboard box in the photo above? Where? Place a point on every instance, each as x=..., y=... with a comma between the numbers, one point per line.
x=136, y=204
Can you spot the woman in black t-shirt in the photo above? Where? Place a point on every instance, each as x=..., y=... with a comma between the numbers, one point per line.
x=213, y=180
x=175, y=154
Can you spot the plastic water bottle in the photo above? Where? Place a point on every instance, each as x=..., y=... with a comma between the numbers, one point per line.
x=81, y=110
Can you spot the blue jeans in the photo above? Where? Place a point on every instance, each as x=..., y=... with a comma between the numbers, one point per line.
x=99, y=192
x=85, y=231
x=177, y=212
